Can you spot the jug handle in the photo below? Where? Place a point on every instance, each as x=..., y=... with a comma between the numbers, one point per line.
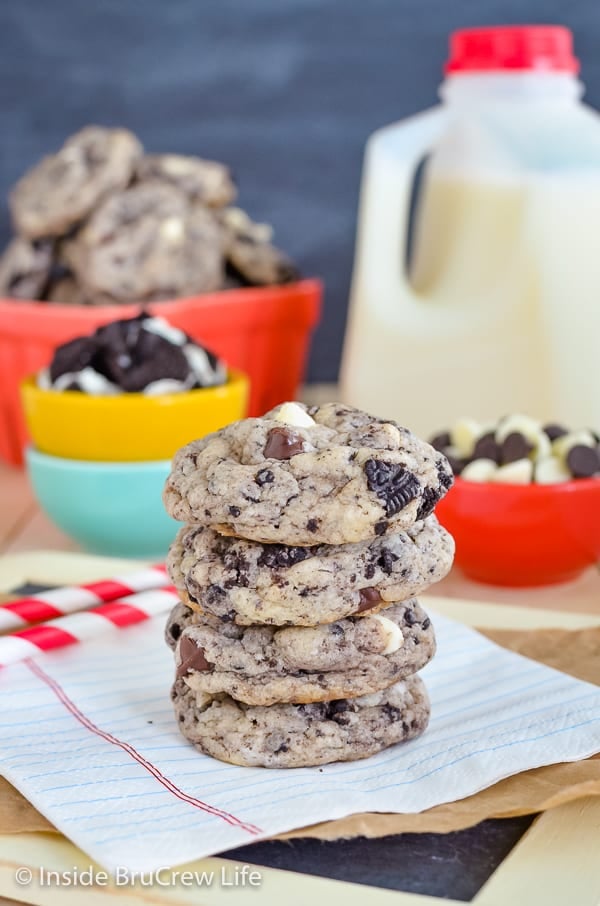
x=391, y=160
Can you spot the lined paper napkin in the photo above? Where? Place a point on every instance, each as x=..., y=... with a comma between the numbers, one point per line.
x=88, y=736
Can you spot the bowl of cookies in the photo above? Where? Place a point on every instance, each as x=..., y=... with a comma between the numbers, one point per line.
x=107, y=414
x=525, y=506
x=104, y=231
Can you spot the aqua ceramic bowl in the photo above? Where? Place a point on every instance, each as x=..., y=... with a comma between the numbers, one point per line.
x=112, y=508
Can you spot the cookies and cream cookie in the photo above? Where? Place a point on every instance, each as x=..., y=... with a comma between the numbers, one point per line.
x=263, y=665
x=304, y=476
x=65, y=187
x=249, y=582
x=148, y=242
x=205, y=181
x=300, y=735
x=25, y=268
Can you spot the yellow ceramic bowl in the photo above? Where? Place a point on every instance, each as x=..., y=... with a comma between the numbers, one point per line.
x=130, y=427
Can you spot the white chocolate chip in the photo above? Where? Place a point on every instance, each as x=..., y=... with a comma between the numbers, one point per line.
x=370, y=701
x=294, y=414
x=463, y=435
x=43, y=379
x=543, y=447
x=521, y=424
x=562, y=445
x=551, y=470
x=203, y=699
x=237, y=220
x=177, y=164
x=89, y=381
x=172, y=229
x=479, y=470
x=395, y=639
x=518, y=472
x=391, y=432
x=164, y=387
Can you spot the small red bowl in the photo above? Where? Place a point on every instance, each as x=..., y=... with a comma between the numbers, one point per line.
x=523, y=535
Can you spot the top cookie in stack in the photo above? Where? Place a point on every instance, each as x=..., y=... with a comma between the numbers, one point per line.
x=308, y=533
x=326, y=475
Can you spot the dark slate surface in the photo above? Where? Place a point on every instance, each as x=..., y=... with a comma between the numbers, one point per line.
x=453, y=866
x=286, y=91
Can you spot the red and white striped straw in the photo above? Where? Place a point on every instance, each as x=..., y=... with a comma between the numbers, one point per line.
x=59, y=601
x=79, y=627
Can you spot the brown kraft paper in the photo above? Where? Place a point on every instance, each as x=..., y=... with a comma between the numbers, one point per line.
x=575, y=652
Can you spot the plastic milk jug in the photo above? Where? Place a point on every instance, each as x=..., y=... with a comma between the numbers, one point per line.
x=497, y=307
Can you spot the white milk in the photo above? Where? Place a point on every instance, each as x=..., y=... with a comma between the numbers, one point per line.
x=500, y=311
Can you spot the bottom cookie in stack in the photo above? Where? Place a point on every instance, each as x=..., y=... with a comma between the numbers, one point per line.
x=301, y=735
x=292, y=696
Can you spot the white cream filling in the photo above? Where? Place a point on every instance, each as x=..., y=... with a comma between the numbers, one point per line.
x=165, y=330
x=89, y=381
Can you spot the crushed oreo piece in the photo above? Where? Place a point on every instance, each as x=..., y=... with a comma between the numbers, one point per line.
x=276, y=556
x=393, y=484
x=427, y=505
x=265, y=476
x=386, y=561
x=410, y=618
x=73, y=356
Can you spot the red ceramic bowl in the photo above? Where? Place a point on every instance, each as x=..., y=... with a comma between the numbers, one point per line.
x=523, y=535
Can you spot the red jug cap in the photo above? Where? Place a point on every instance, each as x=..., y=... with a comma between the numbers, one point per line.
x=546, y=48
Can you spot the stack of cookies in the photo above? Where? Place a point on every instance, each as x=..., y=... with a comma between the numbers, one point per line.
x=308, y=533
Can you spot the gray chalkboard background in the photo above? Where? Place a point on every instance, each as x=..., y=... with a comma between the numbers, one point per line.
x=285, y=91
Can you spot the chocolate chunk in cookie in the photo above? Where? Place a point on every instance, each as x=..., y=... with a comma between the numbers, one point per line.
x=283, y=444
x=250, y=253
x=190, y=657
